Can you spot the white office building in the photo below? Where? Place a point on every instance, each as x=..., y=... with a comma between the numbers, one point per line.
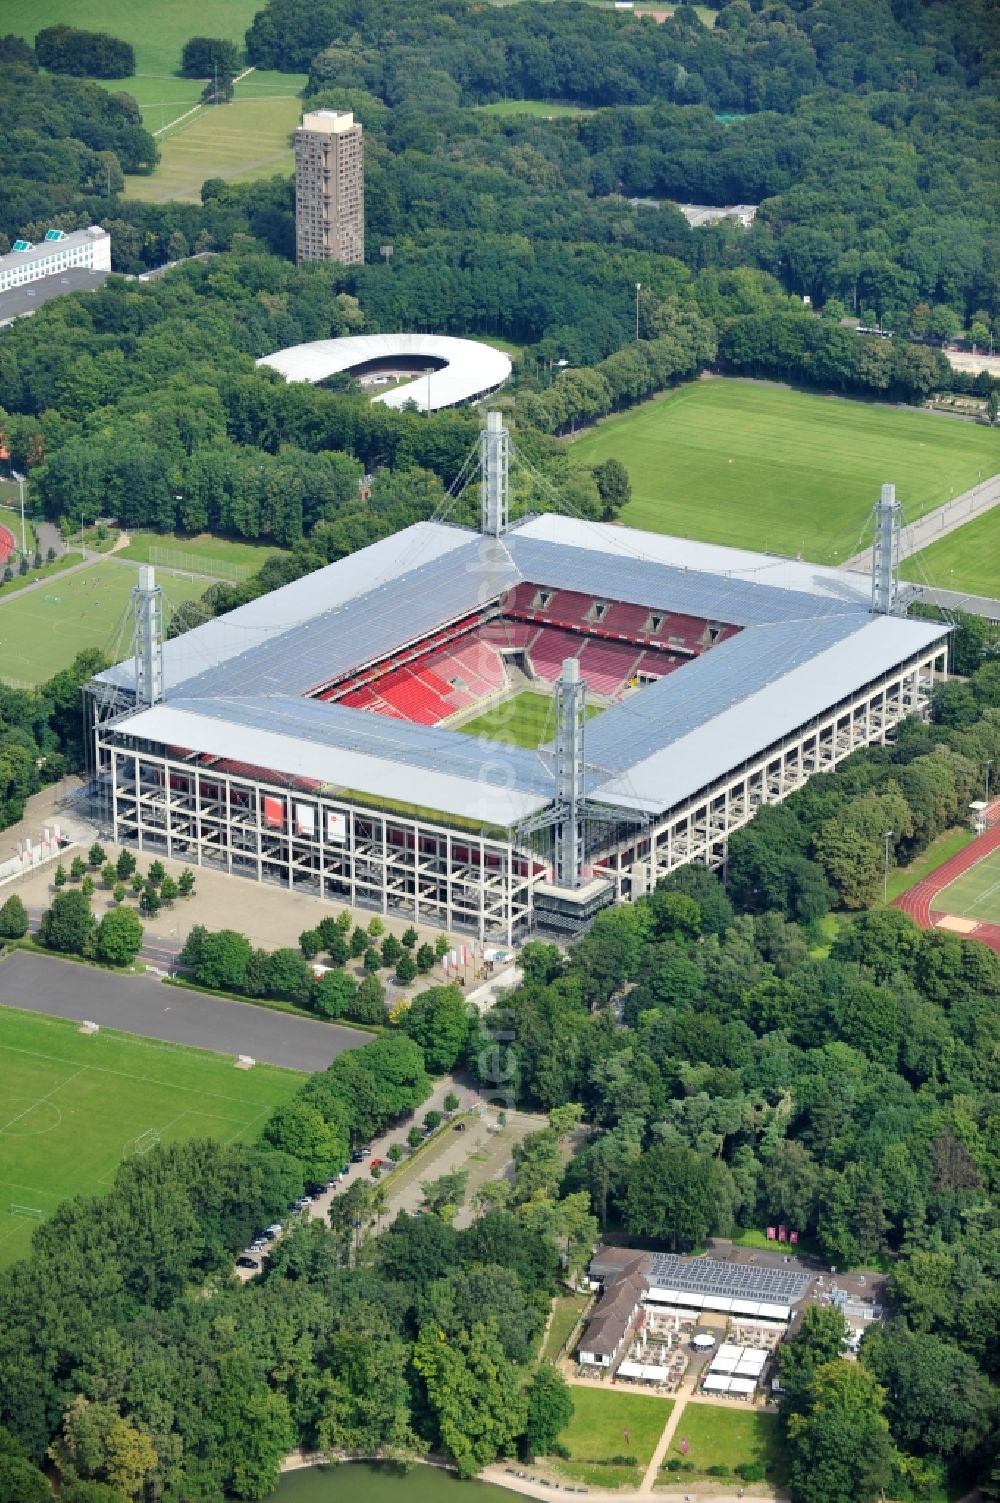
x=59, y=252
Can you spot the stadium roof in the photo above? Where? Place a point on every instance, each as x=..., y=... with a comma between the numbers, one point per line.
x=234, y=686
x=470, y=369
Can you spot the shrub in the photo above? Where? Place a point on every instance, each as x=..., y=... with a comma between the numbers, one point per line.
x=751, y=1471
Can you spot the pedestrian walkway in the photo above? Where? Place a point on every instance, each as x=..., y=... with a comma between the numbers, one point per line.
x=918, y=535
x=669, y=1431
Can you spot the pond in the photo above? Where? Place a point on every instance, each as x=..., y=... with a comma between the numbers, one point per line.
x=359, y=1482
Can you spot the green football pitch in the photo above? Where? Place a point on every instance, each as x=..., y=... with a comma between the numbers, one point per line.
x=975, y=894
x=72, y=1106
x=761, y=466
x=43, y=629
x=529, y=719
x=157, y=32
x=967, y=559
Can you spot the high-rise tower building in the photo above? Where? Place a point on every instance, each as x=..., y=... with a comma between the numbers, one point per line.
x=329, y=188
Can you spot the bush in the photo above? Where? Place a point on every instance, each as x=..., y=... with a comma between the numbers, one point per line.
x=718, y=1470
x=751, y=1471
x=13, y=918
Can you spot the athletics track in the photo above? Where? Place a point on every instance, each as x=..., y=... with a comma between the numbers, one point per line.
x=7, y=544
x=918, y=901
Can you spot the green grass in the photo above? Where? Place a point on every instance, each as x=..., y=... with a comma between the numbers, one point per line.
x=157, y=32
x=247, y=139
x=761, y=466
x=948, y=844
x=538, y=109
x=596, y=1432
x=719, y=1436
x=529, y=719
x=975, y=894
x=566, y=1311
x=72, y=1106
x=204, y=551
x=967, y=559
x=41, y=631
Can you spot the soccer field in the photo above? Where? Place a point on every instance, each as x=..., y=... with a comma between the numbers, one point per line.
x=761, y=466
x=529, y=719
x=975, y=894
x=43, y=629
x=157, y=32
x=72, y=1106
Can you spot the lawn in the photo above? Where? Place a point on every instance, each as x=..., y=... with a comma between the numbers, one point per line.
x=42, y=630
x=940, y=850
x=967, y=559
x=762, y=466
x=157, y=32
x=720, y=1436
x=596, y=1433
x=247, y=139
x=73, y=1106
x=529, y=719
x=222, y=558
x=566, y=1312
x=975, y=894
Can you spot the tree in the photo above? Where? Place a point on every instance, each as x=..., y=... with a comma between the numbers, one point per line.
x=310, y=943
x=368, y=1005
x=550, y=1409
x=474, y=1392
x=359, y=942
x=614, y=486
x=414, y=1137
x=406, y=969
x=446, y=1195
x=97, y=1443
x=118, y=892
x=68, y=924
x=371, y=961
x=334, y=994
x=59, y=876
x=391, y=950
x=424, y=958
x=96, y=855
x=168, y=889
x=204, y=56
x=376, y=928
x=13, y=918
x=157, y=872
x=318, y=1141
x=222, y=961
x=125, y=865
x=675, y=1195
x=109, y=874
x=839, y=1448
x=78, y=868
x=409, y=937
x=993, y=405
x=450, y=1102
x=119, y=937
x=438, y=1021
x=938, y=1402
x=149, y=901
x=185, y=882
x=820, y=1339
x=83, y=54
x=287, y=976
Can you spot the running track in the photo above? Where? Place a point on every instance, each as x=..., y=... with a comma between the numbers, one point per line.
x=7, y=544
x=918, y=901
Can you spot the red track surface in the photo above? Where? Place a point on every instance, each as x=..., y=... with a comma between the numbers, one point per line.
x=918, y=901
x=7, y=544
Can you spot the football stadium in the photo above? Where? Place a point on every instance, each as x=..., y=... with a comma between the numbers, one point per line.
x=504, y=729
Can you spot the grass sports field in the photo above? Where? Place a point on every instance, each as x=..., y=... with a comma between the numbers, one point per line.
x=529, y=719
x=717, y=1436
x=975, y=894
x=202, y=554
x=968, y=559
x=72, y=1106
x=43, y=629
x=249, y=138
x=762, y=466
x=538, y=109
x=157, y=32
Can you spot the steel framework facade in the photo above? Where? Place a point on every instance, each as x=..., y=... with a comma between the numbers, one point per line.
x=304, y=840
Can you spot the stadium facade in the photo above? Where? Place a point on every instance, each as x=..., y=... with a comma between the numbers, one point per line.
x=310, y=738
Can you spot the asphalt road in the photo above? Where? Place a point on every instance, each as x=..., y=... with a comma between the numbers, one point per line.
x=143, y=1005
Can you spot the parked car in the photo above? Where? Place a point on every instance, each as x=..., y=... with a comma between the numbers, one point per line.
x=245, y=1261
x=272, y=1231
x=459, y=1127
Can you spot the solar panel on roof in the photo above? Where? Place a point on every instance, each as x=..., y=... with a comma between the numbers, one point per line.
x=21, y=245
x=710, y=1277
x=55, y=235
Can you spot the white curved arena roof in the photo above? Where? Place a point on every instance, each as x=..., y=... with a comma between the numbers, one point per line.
x=471, y=369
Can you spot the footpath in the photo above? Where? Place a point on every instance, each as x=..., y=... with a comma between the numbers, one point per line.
x=918, y=535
